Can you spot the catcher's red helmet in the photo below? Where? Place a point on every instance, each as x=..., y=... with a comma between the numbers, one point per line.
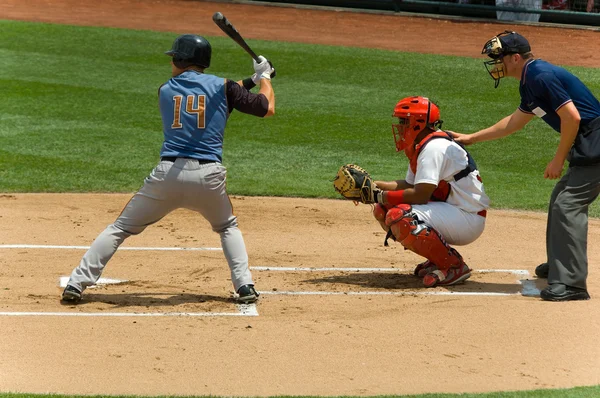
x=414, y=114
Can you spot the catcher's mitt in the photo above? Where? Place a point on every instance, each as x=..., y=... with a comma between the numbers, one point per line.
x=354, y=183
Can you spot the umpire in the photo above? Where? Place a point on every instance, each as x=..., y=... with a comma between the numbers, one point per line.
x=567, y=105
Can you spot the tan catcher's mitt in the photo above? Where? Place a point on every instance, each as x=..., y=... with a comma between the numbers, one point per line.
x=354, y=183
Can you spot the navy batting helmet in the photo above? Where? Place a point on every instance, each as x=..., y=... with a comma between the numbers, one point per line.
x=191, y=50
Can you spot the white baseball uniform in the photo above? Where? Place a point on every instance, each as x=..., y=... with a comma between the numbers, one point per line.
x=456, y=219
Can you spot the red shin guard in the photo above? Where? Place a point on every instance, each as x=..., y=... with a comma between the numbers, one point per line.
x=421, y=239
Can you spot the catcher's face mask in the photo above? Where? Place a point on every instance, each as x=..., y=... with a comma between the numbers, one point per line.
x=413, y=114
x=402, y=134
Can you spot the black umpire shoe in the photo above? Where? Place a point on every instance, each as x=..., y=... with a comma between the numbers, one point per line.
x=560, y=292
x=247, y=294
x=71, y=294
x=541, y=271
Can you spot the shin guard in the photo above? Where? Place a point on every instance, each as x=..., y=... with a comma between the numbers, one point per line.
x=379, y=212
x=417, y=237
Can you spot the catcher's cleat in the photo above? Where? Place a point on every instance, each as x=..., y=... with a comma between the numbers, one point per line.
x=541, y=271
x=448, y=277
x=424, y=268
x=71, y=294
x=247, y=294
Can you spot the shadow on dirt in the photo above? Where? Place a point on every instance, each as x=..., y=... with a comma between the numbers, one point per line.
x=399, y=282
x=152, y=299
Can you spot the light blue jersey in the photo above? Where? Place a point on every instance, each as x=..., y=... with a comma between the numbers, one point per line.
x=194, y=112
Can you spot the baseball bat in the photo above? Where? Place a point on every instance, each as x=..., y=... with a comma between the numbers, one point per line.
x=226, y=26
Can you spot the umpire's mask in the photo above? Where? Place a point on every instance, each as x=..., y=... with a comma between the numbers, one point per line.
x=495, y=67
x=505, y=43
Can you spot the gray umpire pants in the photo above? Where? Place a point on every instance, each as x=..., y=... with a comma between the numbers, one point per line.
x=567, y=228
x=185, y=183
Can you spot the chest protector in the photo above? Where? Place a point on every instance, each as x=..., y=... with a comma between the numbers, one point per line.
x=442, y=191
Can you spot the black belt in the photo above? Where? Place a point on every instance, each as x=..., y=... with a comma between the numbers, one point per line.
x=173, y=159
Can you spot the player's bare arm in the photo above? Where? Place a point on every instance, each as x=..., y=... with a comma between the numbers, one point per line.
x=267, y=90
x=417, y=195
x=248, y=102
x=569, y=125
x=393, y=185
x=505, y=127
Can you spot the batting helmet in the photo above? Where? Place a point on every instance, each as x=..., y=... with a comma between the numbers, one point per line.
x=414, y=115
x=190, y=50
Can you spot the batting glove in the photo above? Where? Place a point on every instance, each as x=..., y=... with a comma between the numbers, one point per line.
x=262, y=69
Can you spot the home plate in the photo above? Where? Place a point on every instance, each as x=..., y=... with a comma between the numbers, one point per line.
x=63, y=280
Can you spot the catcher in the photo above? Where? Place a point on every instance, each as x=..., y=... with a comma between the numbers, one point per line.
x=441, y=201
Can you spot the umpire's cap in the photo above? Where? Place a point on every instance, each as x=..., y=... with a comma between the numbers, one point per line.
x=191, y=49
x=507, y=42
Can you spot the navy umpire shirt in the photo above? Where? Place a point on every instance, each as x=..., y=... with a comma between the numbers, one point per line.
x=545, y=88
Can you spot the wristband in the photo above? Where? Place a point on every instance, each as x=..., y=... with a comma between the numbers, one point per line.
x=248, y=83
x=395, y=197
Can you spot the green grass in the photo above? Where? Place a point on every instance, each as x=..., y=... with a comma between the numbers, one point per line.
x=579, y=392
x=78, y=113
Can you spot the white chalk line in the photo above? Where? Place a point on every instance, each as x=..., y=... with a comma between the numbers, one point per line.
x=120, y=248
x=63, y=280
x=371, y=293
x=351, y=269
x=243, y=310
x=528, y=287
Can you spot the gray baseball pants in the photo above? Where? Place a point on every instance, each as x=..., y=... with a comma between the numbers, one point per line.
x=567, y=228
x=185, y=183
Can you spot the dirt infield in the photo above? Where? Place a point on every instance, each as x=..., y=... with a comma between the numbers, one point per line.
x=335, y=318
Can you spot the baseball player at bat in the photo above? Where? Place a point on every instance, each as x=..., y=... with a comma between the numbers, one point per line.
x=441, y=201
x=195, y=107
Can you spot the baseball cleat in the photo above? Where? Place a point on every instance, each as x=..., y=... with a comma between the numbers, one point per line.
x=559, y=292
x=448, y=277
x=71, y=294
x=247, y=294
x=424, y=268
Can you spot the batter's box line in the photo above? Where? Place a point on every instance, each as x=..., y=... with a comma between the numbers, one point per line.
x=243, y=310
x=366, y=269
x=23, y=246
x=528, y=287
x=371, y=293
